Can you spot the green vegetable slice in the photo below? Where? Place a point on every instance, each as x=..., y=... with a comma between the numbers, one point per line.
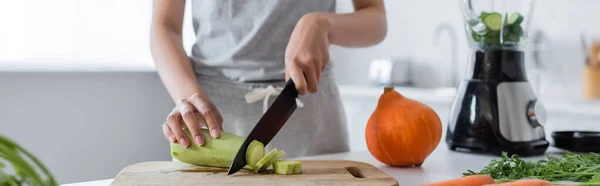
x=265, y=159
x=483, y=15
x=272, y=160
x=256, y=151
x=493, y=21
x=515, y=19
x=287, y=167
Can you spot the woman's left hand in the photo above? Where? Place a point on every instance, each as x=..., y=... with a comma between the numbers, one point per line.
x=307, y=52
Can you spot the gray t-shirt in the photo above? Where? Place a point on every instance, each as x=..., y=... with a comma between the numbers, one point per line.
x=245, y=40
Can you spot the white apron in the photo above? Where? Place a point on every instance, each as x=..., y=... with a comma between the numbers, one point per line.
x=319, y=127
x=240, y=49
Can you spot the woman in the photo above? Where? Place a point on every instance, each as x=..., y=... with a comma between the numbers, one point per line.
x=251, y=46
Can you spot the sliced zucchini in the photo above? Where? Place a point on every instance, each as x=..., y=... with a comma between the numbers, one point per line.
x=272, y=160
x=265, y=159
x=515, y=19
x=493, y=21
x=255, y=151
x=287, y=167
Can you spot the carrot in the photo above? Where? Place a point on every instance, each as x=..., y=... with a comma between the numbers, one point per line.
x=527, y=182
x=471, y=180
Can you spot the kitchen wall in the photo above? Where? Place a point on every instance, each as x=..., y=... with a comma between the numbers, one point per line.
x=86, y=125
x=413, y=24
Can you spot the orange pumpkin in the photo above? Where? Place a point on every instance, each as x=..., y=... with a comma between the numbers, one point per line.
x=402, y=132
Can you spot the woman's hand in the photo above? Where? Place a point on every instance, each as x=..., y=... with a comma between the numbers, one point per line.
x=307, y=52
x=193, y=113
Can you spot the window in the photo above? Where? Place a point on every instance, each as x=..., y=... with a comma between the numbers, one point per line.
x=58, y=34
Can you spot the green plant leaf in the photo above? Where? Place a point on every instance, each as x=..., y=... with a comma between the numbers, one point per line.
x=20, y=159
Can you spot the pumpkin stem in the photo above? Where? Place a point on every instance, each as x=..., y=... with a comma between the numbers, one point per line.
x=387, y=89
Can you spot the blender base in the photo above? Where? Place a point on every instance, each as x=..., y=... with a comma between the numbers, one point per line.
x=523, y=149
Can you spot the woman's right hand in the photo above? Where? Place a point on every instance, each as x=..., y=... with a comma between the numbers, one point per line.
x=193, y=113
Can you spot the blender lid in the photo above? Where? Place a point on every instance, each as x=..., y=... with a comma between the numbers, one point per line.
x=577, y=141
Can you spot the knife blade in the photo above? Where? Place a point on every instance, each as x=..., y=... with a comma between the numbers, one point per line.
x=269, y=124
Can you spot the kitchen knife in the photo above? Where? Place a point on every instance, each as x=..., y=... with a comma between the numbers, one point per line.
x=269, y=124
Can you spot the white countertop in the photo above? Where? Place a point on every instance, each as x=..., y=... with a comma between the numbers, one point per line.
x=442, y=164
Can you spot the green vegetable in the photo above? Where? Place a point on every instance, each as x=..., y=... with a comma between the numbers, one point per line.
x=287, y=167
x=20, y=159
x=272, y=160
x=217, y=152
x=495, y=24
x=569, y=167
x=515, y=18
x=265, y=159
x=256, y=151
x=493, y=21
x=483, y=15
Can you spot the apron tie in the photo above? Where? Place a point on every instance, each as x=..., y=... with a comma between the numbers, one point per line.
x=265, y=93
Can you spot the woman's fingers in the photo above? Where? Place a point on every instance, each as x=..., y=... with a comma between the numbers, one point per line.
x=175, y=126
x=311, y=79
x=218, y=117
x=208, y=114
x=168, y=134
x=191, y=121
x=296, y=73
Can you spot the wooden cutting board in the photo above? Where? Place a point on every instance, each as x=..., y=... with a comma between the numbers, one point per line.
x=315, y=172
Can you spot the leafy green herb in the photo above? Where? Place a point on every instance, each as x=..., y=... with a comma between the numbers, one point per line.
x=569, y=167
x=27, y=168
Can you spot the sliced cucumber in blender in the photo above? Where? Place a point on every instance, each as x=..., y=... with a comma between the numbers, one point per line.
x=493, y=21
x=515, y=18
x=483, y=15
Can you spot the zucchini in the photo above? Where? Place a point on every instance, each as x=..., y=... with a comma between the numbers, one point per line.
x=493, y=21
x=217, y=152
x=256, y=151
x=265, y=159
x=515, y=19
x=272, y=160
x=287, y=167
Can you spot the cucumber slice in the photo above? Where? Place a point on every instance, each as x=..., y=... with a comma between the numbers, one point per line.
x=483, y=15
x=272, y=160
x=287, y=167
x=515, y=18
x=255, y=151
x=493, y=21
x=265, y=159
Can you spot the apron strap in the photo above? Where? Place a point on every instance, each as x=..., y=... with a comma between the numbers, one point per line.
x=264, y=94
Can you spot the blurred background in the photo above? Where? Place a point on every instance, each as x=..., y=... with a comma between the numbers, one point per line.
x=78, y=86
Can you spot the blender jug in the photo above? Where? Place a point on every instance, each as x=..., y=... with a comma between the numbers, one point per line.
x=497, y=23
x=495, y=109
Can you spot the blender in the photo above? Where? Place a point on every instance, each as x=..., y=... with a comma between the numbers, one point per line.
x=495, y=109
